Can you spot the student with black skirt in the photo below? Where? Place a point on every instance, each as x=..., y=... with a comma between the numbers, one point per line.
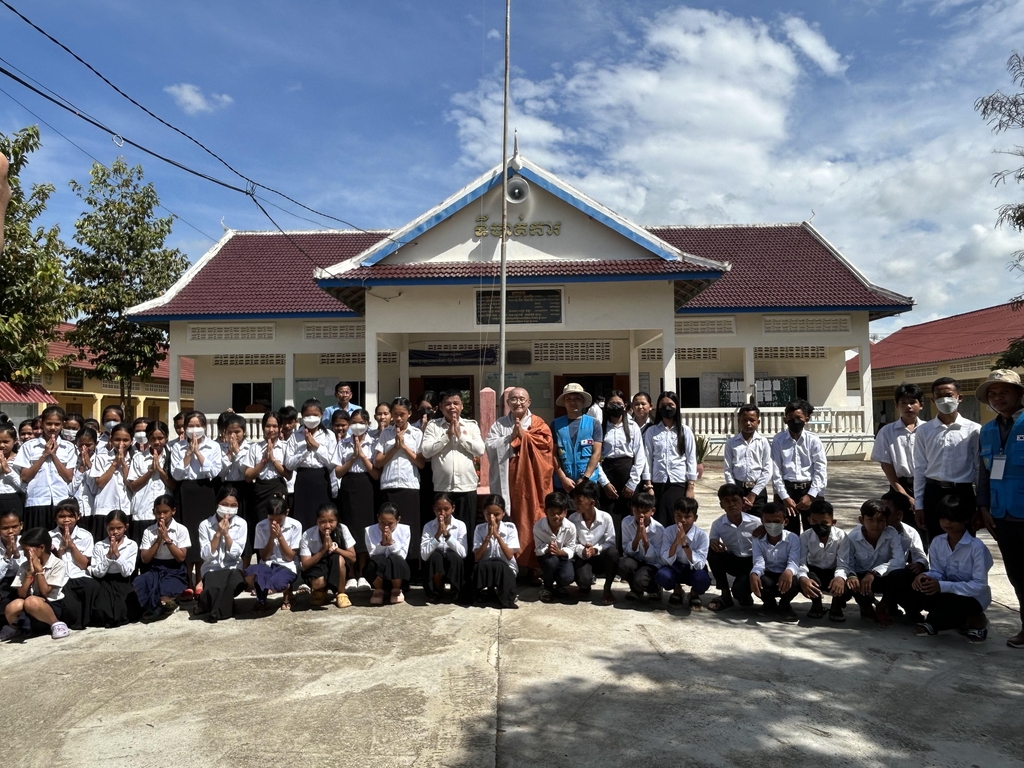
x=110, y=474
x=74, y=545
x=221, y=542
x=671, y=457
x=195, y=466
x=149, y=478
x=264, y=465
x=622, y=459
x=310, y=454
x=353, y=464
x=12, y=497
x=400, y=461
x=388, y=544
x=495, y=546
x=46, y=465
x=112, y=566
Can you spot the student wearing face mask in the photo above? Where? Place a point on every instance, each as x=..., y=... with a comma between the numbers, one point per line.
x=671, y=453
x=221, y=541
x=799, y=466
x=623, y=460
x=112, y=416
x=946, y=453
x=309, y=453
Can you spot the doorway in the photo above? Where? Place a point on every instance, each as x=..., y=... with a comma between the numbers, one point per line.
x=596, y=384
x=438, y=384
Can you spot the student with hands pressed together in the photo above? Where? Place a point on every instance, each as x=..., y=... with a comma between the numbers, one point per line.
x=149, y=477
x=443, y=549
x=799, y=465
x=495, y=547
x=74, y=545
x=11, y=555
x=162, y=552
x=773, y=576
x=264, y=466
x=555, y=544
x=278, y=537
x=113, y=563
x=354, y=466
x=310, y=454
x=641, y=547
x=684, y=552
x=399, y=460
x=388, y=545
x=39, y=590
x=595, y=542
x=11, y=487
x=110, y=473
x=221, y=543
x=326, y=551
x=47, y=466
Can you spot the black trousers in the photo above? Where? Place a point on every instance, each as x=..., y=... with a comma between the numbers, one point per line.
x=497, y=575
x=638, y=574
x=556, y=571
x=450, y=566
x=822, y=577
x=770, y=588
x=933, y=493
x=796, y=492
x=945, y=610
x=759, y=501
x=466, y=511
x=881, y=585
x=1011, y=545
x=605, y=562
x=725, y=564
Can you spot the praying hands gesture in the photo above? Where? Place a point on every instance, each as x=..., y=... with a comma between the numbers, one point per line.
x=442, y=526
x=311, y=443
x=681, y=538
x=327, y=544
x=85, y=458
x=115, y=542
x=162, y=535
x=4, y=466
x=386, y=539
x=454, y=428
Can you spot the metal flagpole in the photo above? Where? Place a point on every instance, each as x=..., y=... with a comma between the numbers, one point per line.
x=504, y=204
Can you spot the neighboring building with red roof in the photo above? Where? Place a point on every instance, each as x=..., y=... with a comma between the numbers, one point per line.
x=710, y=312
x=965, y=347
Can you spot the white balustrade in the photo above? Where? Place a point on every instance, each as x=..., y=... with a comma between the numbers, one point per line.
x=253, y=425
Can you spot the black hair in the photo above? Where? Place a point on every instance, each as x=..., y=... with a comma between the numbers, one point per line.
x=494, y=500
x=429, y=396
x=748, y=408
x=625, y=418
x=678, y=425
x=277, y=504
x=443, y=495
x=362, y=413
x=946, y=380
x=92, y=424
x=772, y=508
x=8, y=427
x=196, y=415
x=4, y=418
x=179, y=416
x=89, y=432
x=141, y=420
x=37, y=422
x=267, y=417
x=329, y=509
x=873, y=507
x=288, y=413
x=36, y=537
x=312, y=403
x=587, y=489
x=68, y=504
x=116, y=409
x=556, y=500
x=908, y=390
x=52, y=410
x=10, y=512
x=75, y=417
x=400, y=401
x=26, y=422
x=950, y=508
x=728, y=490
x=165, y=500
x=450, y=393
x=646, y=396
x=223, y=420
x=821, y=507
x=686, y=504
x=643, y=501
x=341, y=384
x=157, y=426
x=122, y=428
x=340, y=413
x=118, y=515
x=233, y=419
x=228, y=490
x=898, y=500
x=799, y=404
x=388, y=508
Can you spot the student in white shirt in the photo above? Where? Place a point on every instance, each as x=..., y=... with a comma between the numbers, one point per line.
x=443, y=549
x=83, y=486
x=946, y=452
x=748, y=460
x=684, y=552
x=12, y=497
x=11, y=555
x=234, y=450
x=74, y=545
x=277, y=543
x=671, y=458
x=641, y=547
x=310, y=454
x=339, y=424
x=954, y=590
x=776, y=564
x=289, y=419
x=819, y=553
x=868, y=555
x=894, y=443
x=595, y=541
x=729, y=549
x=399, y=460
x=195, y=466
x=640, y=408
x=221, y=543
x=388, y=545
x=495, y=546
x=46, y=465
x=110, y=473
x=111, y=417
x=264, y=465
x=112, y=566
x=39, y=590
x=149, y=477
x=623, y=460
x=326, y=552
x=162, y=551
x=799, y=465
x=354, y=465
x=554, y=540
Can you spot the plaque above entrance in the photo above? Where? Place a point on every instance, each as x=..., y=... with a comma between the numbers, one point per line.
x=542, y=306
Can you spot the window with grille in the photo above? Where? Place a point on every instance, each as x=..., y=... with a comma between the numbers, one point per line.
x=571, y=351
x=972, y=365
x=357, y=358
x=316, y=331
x=790, y=353
x=806, y=324
x=693, y=326
x=231, y=332
x=442, y=347
x=188, y=390
x=248, y=359
x=883, y=376
x=921, y=372
x=650, y=354
x=155, y=387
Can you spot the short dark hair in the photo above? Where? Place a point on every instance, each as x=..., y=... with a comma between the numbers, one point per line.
x=586, y=488
x=946, y=380
x=450, y=393
x=643, y=501
x=898, y=500
x=234, y=419
x=908, y=390
x=686, y=504
x=873, y=507
x=748, y=408
x=821, y=507
x=772, y=508
x=51, y=411
x=288, y=413
x=951, y=508
x=68, y=504
x=341, y=384
x=799, y=404
x=556, y=500
x=728, y=490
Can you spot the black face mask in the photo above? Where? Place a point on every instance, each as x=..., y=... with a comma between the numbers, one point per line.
x=667, y=412
x=795, y=426
x=821, y=529
x=614, y=410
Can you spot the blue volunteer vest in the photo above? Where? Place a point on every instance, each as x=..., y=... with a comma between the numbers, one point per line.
x=1007, y=495
x=573, y=457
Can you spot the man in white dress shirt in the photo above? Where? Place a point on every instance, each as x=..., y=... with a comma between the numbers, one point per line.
x=946, y=451
x=748, y=460
x=894, y=443
x=799, y=466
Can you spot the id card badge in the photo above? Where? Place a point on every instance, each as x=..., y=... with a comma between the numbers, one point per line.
x=998, y=465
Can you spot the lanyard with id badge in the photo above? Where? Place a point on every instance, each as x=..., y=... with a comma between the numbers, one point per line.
x=998, y=467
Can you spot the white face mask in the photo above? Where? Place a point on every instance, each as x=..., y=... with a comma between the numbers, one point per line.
x=223, y=511
x=947, y=405
x=195, y=432
x=68, y=434
x=140, y=438
x=774, y=529
x=357, y=429
x=311, y=422
x=109, y=425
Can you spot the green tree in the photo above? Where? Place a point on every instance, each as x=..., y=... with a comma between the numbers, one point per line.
x=34, y=291
x=121, y=261
x=1005, y=112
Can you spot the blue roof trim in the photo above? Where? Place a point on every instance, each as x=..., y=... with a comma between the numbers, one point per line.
x=522, y=280
x=575, y=202
x=849, y=308
x=244, y=316
x=433, y=221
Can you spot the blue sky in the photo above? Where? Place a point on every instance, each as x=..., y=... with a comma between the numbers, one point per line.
x=702, y=113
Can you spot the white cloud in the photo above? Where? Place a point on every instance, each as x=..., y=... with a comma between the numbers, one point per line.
x=192, y=101
x=493, y=34
x=814, y=46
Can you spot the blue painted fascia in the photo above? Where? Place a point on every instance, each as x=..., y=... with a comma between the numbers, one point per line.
x=521, y=280
x=241, y=316
x=852, y=308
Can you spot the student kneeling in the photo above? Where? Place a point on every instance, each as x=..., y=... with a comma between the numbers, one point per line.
x=443, y=549
x=776, y=564
x=277, y=539
x=641, y=545
x=684, y=550
x=221, y=542
x=387, y=543
x=555, y=544
x=595, y=541
x=327, y=551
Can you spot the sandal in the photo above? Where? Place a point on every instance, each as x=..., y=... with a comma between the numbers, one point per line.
x=977, y=635
x=377, y=598
x=720, y=604
x=342, y=601
x=696, y=604
x=924, y=628
x=397, y=597
x=59, y=630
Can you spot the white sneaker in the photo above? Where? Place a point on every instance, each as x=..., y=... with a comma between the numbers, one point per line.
x=303, y=589
x=363, y=585
x=351, y=585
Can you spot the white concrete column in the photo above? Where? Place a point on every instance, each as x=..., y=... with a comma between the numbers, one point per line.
x=173, y=386
x=668, y=354
x=289, y=379
x=865, y=385
x=370, y=375
x=634, y=365
x=403, y=364
x=749, y=375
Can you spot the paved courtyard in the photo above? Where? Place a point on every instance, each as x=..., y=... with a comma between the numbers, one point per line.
x=547, y=685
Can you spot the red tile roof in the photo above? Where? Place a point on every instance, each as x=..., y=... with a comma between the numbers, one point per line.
x=61, y=348
x=973, y=334
x=785, y=265
x=561, y=268
x=25, y=393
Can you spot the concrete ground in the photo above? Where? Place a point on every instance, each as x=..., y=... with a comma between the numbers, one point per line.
x=546, y=685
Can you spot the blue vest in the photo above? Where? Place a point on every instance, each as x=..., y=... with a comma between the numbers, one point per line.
x=573, y=457
x=1007, y=495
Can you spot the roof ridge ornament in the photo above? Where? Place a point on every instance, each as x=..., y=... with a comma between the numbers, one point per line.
x=516, y=163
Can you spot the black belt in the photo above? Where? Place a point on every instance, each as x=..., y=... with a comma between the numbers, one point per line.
x=802, y=486
x=944, y=484
x=748, y=484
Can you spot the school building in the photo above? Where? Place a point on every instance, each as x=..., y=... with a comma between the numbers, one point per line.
x=717, y=313
x=965, y=347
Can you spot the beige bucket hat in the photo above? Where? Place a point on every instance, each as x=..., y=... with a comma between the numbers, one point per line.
x=574, y=389
x=1000, y=376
